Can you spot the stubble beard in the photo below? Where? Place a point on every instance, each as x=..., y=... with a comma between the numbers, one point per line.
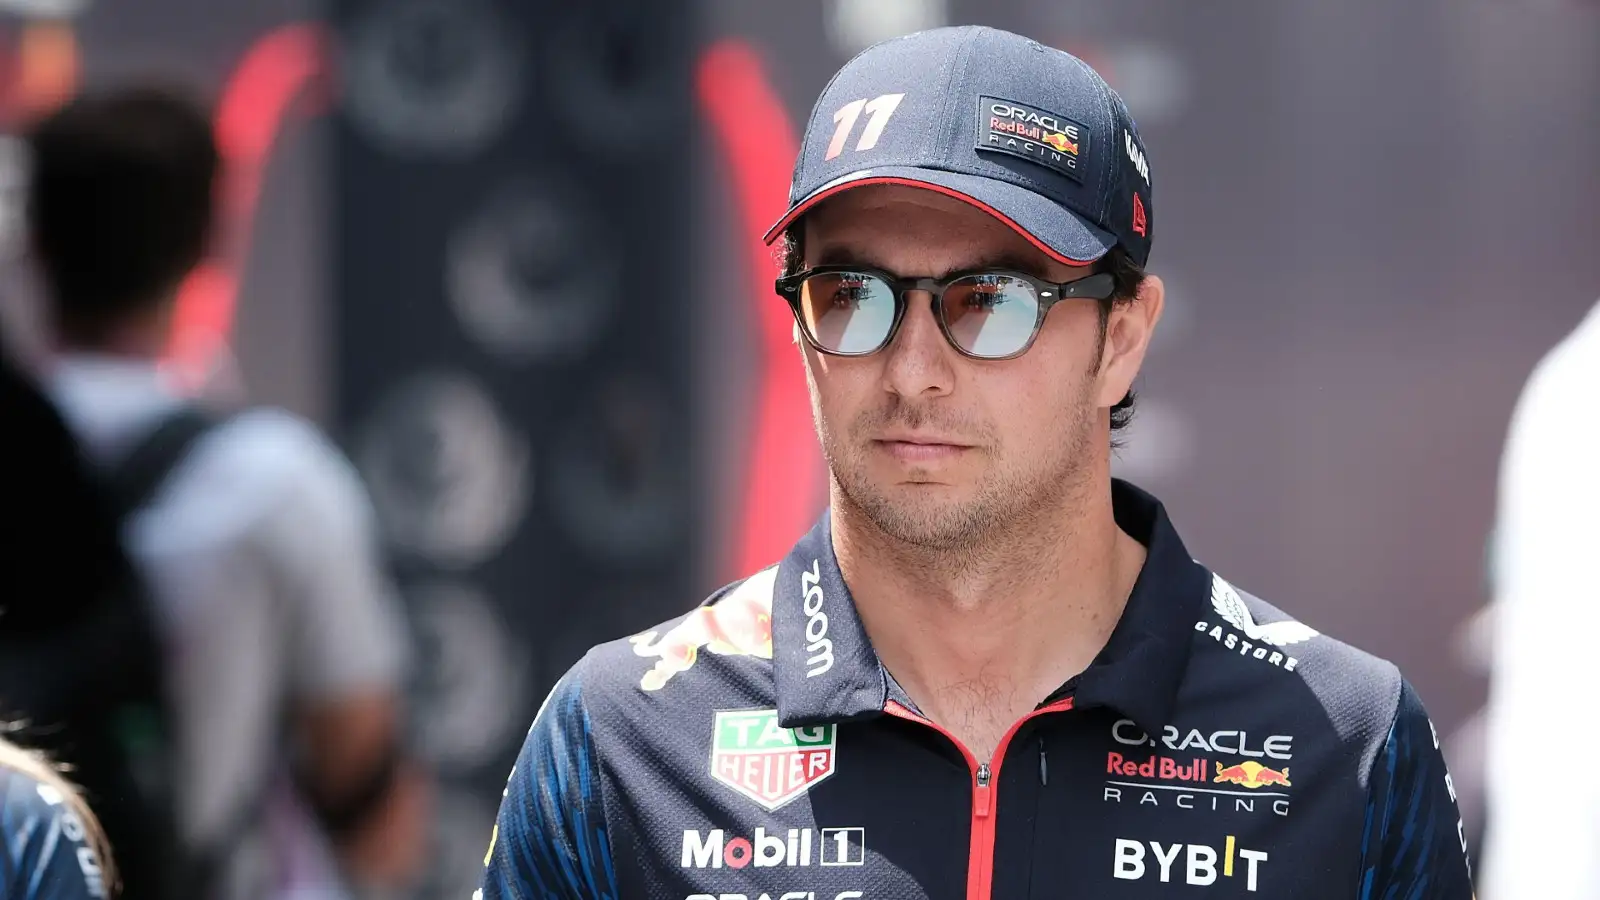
x=1013, y=502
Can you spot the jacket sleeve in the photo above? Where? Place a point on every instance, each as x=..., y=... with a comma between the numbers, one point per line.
x=1414, y=845
x=550, y=838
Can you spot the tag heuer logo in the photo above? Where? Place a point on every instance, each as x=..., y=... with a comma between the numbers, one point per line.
x=769, y=764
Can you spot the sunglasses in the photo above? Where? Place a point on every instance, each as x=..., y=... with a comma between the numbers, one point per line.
x=989, y=314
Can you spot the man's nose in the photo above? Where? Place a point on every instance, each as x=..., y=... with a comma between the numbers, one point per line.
x=919, y=358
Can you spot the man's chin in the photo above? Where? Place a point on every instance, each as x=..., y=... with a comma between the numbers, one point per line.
x=934, y=516
x=944, y=477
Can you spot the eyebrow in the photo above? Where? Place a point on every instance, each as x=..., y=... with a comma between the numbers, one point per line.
x=842, y=256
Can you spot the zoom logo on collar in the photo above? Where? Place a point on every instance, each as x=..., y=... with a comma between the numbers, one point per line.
x=817, y=643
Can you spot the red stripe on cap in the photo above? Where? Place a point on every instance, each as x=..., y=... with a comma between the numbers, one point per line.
x=809, y=202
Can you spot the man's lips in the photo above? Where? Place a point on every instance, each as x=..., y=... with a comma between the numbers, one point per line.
x=921, y=447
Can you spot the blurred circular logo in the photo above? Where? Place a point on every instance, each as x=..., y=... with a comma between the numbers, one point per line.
x=619, y=84
x=436, y=77
x=531, y=276
x=447, y=475
x=618, y=474
x=471, y=673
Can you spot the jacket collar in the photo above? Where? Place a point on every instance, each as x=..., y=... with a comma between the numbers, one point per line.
x=827, y=671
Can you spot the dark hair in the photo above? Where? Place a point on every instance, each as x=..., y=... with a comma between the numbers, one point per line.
x=120, y=203
x=1126, y=275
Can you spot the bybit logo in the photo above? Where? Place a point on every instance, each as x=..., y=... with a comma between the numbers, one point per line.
x=1199, y=866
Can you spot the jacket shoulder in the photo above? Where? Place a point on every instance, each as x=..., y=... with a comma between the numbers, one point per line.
x=726, y=638
x=1356, y=692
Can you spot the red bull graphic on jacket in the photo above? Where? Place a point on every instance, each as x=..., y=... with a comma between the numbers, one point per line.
x=1251, y=774
x=741, y=625
x=757, y=747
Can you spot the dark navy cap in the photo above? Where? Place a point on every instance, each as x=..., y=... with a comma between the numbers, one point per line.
x=1027, y=133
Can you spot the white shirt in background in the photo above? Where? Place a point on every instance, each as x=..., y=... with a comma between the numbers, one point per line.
x=1543, y=837
x=261, y=552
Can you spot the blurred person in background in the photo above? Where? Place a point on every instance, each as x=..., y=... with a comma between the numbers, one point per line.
x=80, y=653
x=53, y=847
x=991, y=669
x=286, y=648
x=1543, y=838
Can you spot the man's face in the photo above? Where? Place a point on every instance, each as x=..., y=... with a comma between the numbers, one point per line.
x=938, y=449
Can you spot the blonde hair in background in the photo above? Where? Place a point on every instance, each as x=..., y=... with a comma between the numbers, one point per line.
x=36, y=766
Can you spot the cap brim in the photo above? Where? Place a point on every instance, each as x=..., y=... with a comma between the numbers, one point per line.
x=1057, y=231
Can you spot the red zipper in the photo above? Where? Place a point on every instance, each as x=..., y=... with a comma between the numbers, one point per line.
x=980, y=855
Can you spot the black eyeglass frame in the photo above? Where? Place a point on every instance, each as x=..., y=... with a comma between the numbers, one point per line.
x=1099, y=286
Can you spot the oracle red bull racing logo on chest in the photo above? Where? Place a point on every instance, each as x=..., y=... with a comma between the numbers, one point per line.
x=1188, y=781
x=772, y=765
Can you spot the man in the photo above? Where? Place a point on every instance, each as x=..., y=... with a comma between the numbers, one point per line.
x=1541, y=843
x=259, y=548
x=990, y=670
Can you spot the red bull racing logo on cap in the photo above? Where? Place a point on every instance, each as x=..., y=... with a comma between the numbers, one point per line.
x=738, y=625
x=1060, y=142
x=1033, y=134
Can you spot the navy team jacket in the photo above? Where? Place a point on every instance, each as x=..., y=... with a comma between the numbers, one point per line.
x=756, y=749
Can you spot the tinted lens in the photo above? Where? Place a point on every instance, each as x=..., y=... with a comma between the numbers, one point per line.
x=991, y=315
x=847, y=312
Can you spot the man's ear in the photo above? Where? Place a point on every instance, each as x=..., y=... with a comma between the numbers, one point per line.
x=1128, y=330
